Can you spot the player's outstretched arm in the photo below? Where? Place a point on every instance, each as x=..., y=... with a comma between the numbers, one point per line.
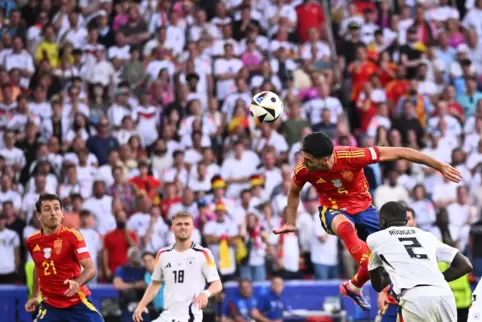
x=149, y=295
x=459, y=267
x=293, y=204
x=379, y=279
x=397, y=153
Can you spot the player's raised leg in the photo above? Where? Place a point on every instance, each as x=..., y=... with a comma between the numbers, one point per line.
x=342, y=225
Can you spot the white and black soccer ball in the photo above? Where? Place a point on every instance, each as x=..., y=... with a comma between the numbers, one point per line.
x=266, y=107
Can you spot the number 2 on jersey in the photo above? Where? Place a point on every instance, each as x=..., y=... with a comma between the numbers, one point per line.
x=178, y=276
x=414, y=243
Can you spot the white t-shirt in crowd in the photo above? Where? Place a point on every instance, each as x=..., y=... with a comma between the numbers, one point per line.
x=9, y=241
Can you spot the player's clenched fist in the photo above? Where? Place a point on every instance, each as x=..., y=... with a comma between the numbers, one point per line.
x=31, y=304
x=137, y=317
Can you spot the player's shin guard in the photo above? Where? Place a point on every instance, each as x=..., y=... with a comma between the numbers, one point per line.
x=358, y=250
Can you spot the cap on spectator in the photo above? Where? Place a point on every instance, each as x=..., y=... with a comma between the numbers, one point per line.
x=43, y=160
x=221, y=207
x=257, y=180
x=217, y=183
x=201, y=203
x=354, y=25
x=103, y=13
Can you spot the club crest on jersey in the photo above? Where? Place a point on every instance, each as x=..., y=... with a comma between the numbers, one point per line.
x=191, y=260
x=337, y=183
x=58, y=246
x=347, y=175
x=47, y=252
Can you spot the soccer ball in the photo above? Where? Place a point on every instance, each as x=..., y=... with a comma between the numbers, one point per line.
x=266, y=107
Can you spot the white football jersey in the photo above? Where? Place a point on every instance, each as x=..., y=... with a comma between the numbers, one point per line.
x=185, y=275
x=475, y=311
x=409, y=255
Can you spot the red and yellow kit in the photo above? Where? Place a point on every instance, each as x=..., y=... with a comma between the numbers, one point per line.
x=345, y=186
x=57, y=258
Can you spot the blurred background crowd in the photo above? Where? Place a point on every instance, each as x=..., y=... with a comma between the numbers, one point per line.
x=133, y=110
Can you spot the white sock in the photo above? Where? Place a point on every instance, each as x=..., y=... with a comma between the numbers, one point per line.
x=353, y=287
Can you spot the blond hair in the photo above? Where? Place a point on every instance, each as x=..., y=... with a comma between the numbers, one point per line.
x=182, y=214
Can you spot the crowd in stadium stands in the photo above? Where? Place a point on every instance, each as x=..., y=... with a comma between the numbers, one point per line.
x=134, y=110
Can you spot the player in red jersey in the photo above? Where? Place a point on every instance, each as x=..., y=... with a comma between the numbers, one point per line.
x=59, y=254
x=346, y=205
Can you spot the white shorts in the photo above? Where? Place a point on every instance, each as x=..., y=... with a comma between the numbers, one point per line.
x=475, y=312
x=428, y=304
x=172, y=317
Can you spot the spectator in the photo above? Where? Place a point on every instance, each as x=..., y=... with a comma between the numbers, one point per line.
x=92, y=239
x=129, y=281
x=221, y=237
x=271, y=306
x=116, y=244
x=242, y=305
x=10, y=252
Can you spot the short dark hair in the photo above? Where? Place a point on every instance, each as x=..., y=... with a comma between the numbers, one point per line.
x=47, y=197
x=408, y=209
x=393, y=212
x=144, y=254
x=318, y=144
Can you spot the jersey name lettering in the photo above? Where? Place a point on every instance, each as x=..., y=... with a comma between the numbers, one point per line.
x=401, y=232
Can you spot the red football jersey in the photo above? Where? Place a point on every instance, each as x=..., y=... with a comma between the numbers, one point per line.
x=57, y=258
x=345, y=186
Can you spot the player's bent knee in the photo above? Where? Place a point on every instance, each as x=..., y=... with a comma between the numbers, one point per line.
x=343, y=226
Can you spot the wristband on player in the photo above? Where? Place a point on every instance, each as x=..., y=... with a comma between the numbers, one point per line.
x=207, y=293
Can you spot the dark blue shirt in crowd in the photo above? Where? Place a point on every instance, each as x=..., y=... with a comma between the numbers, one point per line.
x=272, y=306
x=242, y=306
x=101, y=146
x=130, y=274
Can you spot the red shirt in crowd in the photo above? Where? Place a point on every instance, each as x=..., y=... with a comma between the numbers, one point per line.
x=310, y=15
x=116, y=245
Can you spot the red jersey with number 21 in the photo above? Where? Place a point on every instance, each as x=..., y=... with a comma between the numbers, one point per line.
x=345, y=186
x=57, y=258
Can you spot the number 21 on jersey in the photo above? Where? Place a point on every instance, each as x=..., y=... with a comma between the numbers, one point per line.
x=49, y=268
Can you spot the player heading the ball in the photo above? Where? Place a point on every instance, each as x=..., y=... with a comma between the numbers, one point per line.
x=410, y=256
x=62, y=268
x=185, y=268
x=346, y=204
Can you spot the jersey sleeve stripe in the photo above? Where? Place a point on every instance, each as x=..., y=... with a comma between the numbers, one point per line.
x=33, y=235
x=159, y=255
x=350, y=152
x=299, y=168
x=373, y=153
x=351, y=156
x=209, y=261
